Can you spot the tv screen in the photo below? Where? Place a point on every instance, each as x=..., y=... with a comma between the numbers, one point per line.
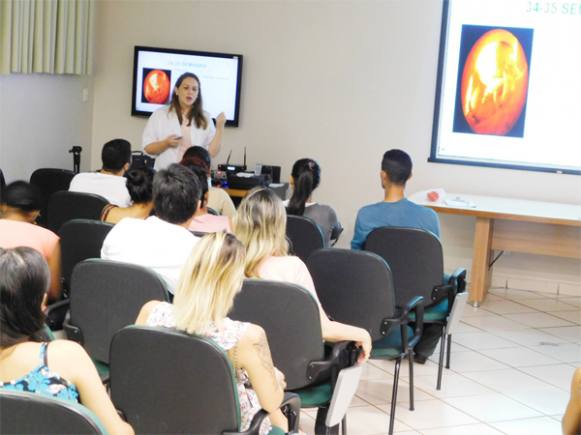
x=156, y=70
x=508, y=85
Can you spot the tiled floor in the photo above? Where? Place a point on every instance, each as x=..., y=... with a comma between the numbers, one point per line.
x=512, y=363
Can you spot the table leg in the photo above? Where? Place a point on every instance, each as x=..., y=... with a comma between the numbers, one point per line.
x=480, y=274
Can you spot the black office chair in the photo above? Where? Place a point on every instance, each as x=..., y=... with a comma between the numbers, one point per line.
x=305, y=236
x=105, y=297
x=64, y=206
x=49, y=181
x=416, y=260
x=356, y=288
x=290, y=317
x=27, y=413
x=80, y=239
x=165, y=381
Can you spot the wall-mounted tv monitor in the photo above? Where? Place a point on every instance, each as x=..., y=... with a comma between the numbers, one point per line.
x=508, y=85
x=156, y=70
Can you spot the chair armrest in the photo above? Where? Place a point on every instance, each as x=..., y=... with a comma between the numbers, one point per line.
x=458, y=279
x=291, y=402
x=291, y=408
x=56, y=313
x=335, y=234
x=73, y=332
x=442, y=291
x=339, y=357
x=415, y=305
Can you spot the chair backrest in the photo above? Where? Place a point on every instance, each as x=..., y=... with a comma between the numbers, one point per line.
x=354, y=287
x=49, y=181
x=107, y=296
x=166, y=381
x=80, y=239
x=28, y=413
x=305, y=236
x=64, y=206
x=290, y=317
x=414, y=256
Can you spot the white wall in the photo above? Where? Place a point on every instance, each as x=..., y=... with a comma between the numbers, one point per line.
x=337, y=81
x=41, y=118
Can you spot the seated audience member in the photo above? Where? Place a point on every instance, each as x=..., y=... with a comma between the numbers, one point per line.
x=218, y=199
x=305, y=178
x=18, y=212
x=109, y=181
x=140, y=186
x=397, y=211
x=572, y=417
x=161, y=242
x=203, y=221
x=61, y=368
x=260, y=224
x=209, y=282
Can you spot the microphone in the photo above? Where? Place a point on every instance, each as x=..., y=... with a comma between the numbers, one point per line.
x=228, y=159
x=244, y=158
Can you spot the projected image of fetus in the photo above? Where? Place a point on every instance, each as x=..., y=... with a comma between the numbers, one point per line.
x=493, y=78
x=156, y=86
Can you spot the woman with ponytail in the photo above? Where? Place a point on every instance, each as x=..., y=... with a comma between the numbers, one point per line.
x=305, y=178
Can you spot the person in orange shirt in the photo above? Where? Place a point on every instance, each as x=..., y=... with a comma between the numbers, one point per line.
x=18, y=212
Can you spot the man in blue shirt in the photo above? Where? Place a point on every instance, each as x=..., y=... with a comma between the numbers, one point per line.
x=397, y=211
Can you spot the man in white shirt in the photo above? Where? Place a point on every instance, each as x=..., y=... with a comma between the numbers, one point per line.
x=109, y=181
x=161, y=242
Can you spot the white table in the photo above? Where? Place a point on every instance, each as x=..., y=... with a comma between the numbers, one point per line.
x=506, y=224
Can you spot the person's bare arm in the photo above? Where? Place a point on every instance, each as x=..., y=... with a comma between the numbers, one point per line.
x=337, y=331
x=155, y=148
x=216, y=143
x=71, y=361
x=145, y=312
x=572, y=417
x=54, y=266
x=253, y=355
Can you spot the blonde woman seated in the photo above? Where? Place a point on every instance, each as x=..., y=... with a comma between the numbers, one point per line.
x=61, y=368
x=209, y=282
x=260, y=224
x=203, y=221
x=140, y=186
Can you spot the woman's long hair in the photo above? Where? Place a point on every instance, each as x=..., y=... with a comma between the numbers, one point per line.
x=197, y=111
x=260, y=224
x=210, y=279
x=24, y=280
x=306, y=175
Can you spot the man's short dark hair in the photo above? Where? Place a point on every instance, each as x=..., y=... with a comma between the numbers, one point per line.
x=176, y=192
x=115, y=154
x=397, y=164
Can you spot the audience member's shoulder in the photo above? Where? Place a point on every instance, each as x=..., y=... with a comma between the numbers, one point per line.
x=65, y=349
x=370, y=208
x=32, y=229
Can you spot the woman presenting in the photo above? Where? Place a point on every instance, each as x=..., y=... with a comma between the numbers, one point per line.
x=171, y=130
